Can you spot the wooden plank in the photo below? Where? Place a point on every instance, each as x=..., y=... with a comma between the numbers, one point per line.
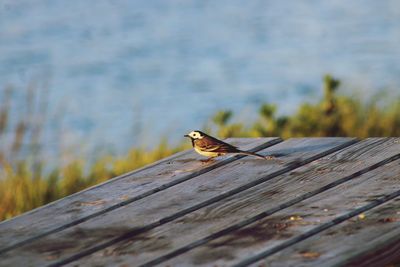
x=180, y=233
x=344, y=243
x=187, y=231
x=172, y=203
x=384, y=250
x=113, y=194
x=288, y=226
x=197, y=229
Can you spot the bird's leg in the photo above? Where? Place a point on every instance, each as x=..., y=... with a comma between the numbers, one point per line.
x=207, y=160
x=274, y=158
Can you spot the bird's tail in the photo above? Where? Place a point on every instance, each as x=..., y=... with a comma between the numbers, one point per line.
x=254, y=154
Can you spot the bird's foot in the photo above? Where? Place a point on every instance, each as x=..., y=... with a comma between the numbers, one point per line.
x=274, y=158
x=207, y=160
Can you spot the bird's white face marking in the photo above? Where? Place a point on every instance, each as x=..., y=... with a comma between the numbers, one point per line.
x=195, y=135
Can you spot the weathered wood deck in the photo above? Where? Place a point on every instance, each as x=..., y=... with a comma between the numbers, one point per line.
x=323, y=202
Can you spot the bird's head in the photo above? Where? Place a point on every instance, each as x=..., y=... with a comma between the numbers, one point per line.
x=194, y=135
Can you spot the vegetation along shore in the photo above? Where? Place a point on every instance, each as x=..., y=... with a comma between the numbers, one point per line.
x=24, y=183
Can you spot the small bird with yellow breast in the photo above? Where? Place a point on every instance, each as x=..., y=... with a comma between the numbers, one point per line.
x=211, y=147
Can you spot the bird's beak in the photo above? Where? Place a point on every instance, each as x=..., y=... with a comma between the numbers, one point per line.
x=186, y=135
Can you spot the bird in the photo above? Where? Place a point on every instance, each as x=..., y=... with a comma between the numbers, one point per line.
x=212, y=147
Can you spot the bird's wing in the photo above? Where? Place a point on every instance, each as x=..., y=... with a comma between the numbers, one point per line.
x=210, y=144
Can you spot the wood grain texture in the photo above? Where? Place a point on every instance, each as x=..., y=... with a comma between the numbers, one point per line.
x=113, y=194
x=287, y=225
x=385, y=249
x=367, y=240
x=133, y=220
x=216, y=217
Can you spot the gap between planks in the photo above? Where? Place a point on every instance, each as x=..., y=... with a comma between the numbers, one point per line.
x=229, y=246
x=383, y=251
x=317, y=230
x=291, y=166
x=271, y=211
x=138, y=197
x=372, y=239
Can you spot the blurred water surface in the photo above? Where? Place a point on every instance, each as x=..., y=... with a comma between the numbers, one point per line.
x=125, y=73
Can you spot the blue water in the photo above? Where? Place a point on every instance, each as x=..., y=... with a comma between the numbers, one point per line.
x=124, y=73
